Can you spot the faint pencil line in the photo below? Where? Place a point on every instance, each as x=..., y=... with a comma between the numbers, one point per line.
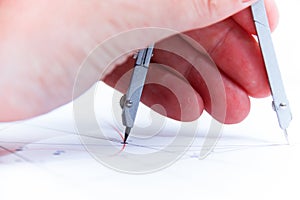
x=16, y=154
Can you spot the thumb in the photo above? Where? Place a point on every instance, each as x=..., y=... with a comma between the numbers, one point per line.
x=174, y=15
x=186, y=15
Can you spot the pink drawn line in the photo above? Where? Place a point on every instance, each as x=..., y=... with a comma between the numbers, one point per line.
x=122, y=139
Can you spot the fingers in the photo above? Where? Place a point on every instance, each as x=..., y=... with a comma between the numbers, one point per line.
x=232, y=48
x=244, y=18
x=237, y=54
x=223, y=99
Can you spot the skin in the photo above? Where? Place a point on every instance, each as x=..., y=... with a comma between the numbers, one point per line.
x=43, y=46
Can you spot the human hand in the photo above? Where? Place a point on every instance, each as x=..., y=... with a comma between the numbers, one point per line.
x=43, y=46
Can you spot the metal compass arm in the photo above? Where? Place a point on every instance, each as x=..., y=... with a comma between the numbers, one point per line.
x=130, y=101
x=280, y=101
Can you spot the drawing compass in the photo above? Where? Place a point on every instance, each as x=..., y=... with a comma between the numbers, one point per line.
x=130, y=101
